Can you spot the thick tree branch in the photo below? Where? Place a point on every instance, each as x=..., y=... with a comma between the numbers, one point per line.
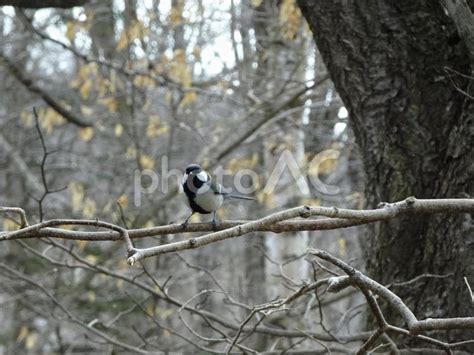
x=388, y=211
x=277, y=223
x=366, y=284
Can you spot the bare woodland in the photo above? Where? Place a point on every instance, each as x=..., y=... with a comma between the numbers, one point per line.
x=350, y=122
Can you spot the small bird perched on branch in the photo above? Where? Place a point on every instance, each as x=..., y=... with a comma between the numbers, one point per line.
x=204, y=195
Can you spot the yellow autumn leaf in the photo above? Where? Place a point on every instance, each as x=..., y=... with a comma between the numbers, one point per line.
x=188, y=98
x=147, y=162
x=179, y=70
x=165, y=313
x=175, y=17
x=136, y=30
x=197, y=53
x=122, y=264
x=131, y=152
x=149, y=224
x=176, y=13
x=150, y=308
x=155, y=127
x=290, y=18
x=71, y=31
x=123, y=201
x=89, y=210
x=266, y=199
x=112, y=81
x=242, y=163
x=23, y=333
x=91, y=296
x=322, y=163
x=85, y=89
x=147, y=104
x=49, y=119
x=9, y=225
x=31, y=340
x=86, y=110
x=81, y=244
x=26, y=119
x=195, y=218
x=91, y=258
x=162, y=65
x=109, y=102
x=102, y=87
x=144, y=81
x=118, y=130
x=68, y=227
x=123, y=40
x=85, y=133
x=342, y=246
x=77, y=195
x=85, y=73
x=311, y=201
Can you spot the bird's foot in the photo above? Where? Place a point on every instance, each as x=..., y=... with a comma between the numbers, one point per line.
x=184, y=225
x=214, y=225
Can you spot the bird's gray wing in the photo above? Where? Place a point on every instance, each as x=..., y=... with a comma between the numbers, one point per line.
x=221, y=190
x=217, y=188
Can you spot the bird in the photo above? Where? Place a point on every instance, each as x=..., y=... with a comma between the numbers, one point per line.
x=203, y=195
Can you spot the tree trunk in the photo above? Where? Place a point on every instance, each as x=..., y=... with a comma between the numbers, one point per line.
x=388, y=61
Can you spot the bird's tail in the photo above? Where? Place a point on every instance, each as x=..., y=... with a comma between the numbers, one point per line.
x=239, y=197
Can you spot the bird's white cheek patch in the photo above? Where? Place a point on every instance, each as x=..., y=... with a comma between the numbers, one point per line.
x=202, y=176
x=183, y=180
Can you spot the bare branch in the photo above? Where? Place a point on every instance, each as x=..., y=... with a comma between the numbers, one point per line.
x=51, y=101
x=410, y=205
x=71, y=316
x=469, y=289
x=277, y=222
x=367, y=285
x=20, y=211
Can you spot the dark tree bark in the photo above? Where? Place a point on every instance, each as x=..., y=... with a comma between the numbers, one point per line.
x=388, y=61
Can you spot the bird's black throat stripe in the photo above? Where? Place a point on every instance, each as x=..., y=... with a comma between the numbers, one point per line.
x=190, y=192
x=196, y=208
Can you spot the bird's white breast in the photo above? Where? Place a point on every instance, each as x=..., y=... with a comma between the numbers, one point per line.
x=207, y=199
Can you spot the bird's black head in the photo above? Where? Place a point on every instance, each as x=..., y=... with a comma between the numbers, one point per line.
x=193, y=168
